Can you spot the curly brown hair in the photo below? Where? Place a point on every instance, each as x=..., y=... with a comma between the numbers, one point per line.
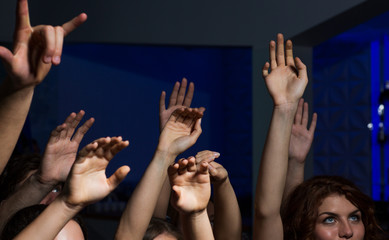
x=300, y=210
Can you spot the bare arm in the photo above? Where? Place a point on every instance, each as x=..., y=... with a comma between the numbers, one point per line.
x=300, y=143
x=60, y=154
x=87, y=184
x=286, y=84
x=191, y=185
x=228, y=220
x=181, y=132
x=35, y=50
x=178, y=98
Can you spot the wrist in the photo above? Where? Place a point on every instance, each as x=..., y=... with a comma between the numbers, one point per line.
x=286, y=107
x=195, y=214
x=165, y=152
x=221, y=183
x=13, y=85
x=69, y=208
x=296, y=161
x=37, y=177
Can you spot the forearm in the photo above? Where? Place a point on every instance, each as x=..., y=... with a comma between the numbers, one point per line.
x=50, y=222
x=228, y=221
x=14, y=107
x=272, y=174
x=160, y=210
x=294, y=177
x=30, y=193
x=143, y=200
x=196, y=226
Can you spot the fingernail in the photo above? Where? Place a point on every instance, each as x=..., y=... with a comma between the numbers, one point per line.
x=57, y=59
x=47, y=59
x=216, y=154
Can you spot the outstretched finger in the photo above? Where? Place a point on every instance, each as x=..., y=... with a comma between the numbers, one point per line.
x=280, y=50
x=162, y=106
x=55, y=134
x=68, y=27
x=173, y=96
x=181, y=92
x=87, y=149
x=272, y=54
x=6, y=56
x=298, y=116
x=119, y=147
x=22, y=15
x=313, y=123
x=189, y=95
x=289, y=53
x=81, y=131
x=305, y=115
x=301, y=68
x=196, y=130
x=265, y=70
x=118, y=177
x=207, y=156
x=74, y=123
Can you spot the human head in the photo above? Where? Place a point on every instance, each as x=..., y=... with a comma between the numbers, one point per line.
x=17, y=170
x=25, y=216
x=159, y=228
x=300, y=211
x=16, y=173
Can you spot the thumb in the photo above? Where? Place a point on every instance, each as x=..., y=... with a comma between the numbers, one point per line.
x=212, y=170
x=6, y=55
x=118, y=177
x=177, y=191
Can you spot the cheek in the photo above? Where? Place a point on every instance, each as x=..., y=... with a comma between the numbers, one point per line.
x=325, y=232
x=359, y=231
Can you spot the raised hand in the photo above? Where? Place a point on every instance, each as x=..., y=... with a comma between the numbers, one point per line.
x=178, y=99
x=181, y=131
x=288, y=77
x=35, y=48
x=217, y=172
x=62, y=147
x=87, y=181
x=191, y=185
x=301, y=138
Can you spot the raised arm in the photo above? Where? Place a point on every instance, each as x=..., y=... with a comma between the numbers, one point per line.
x=286, y=84
x=178, y=98
x=87, y=184
x=180, y=132
x=191, y=185
x=60, y=154
x=35, y=49
x=228, y=220
x=300, y=143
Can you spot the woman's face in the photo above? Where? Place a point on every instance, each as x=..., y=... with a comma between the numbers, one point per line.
x=338, y=218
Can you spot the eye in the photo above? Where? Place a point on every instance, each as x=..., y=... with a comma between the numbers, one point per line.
x=329, y=220
x=354, y=218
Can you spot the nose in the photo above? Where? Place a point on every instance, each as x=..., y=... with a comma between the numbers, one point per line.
x=345, y=230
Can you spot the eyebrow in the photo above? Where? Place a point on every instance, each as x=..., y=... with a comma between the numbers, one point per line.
x=334, y=214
